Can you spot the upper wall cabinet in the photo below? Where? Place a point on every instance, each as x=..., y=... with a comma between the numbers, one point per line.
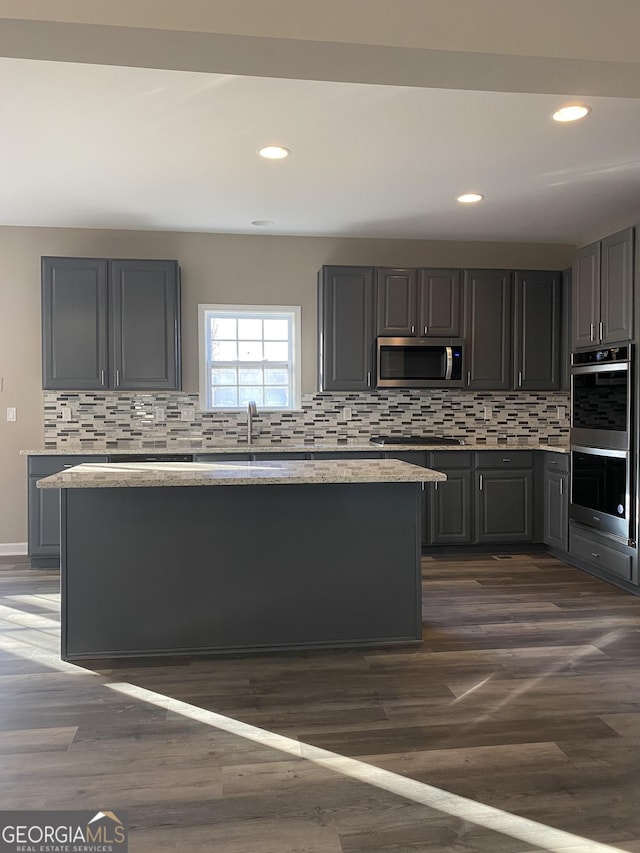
x=537, y=330
x=346, y=332
x=602, y=288
x=487, y=329
x=419, y=302
x=110, y=324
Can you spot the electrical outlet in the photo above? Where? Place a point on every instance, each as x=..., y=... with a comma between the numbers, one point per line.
x=159, y=413
x=12, y=414
x=187, y=413
x=66, y=413
x=488, y=414
x=346, y=413
x=560, y=412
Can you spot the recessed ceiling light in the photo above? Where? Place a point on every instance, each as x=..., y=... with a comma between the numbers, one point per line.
x=469, y=198
x=274, y=152
x=571, y=113
x=262, y=223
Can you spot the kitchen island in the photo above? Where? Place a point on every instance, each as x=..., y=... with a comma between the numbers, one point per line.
x=195, y=558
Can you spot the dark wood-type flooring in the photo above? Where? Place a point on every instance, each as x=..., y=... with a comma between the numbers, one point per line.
x=525, y=697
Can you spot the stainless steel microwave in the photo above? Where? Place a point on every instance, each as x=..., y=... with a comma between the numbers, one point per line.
x=418, y=363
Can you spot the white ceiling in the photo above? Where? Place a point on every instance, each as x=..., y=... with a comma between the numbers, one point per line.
x=113, y=147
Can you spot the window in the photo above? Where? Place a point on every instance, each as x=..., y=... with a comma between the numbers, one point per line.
x=249, y=352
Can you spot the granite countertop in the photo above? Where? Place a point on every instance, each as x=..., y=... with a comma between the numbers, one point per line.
x=145, y=474
x=308, y=447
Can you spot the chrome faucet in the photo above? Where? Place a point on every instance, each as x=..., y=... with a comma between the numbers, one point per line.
x=252, y=412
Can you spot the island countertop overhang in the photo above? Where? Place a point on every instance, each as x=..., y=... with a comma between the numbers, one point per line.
x=280, y=472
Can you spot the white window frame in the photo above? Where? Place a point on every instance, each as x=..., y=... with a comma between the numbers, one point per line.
x=249, y=310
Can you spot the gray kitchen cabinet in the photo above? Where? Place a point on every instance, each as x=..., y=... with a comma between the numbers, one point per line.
x=440, y=303
x=74, y=324
x=487, y=329
x=451, y=513
x=346, y=332
x=537, y=330
x=144, y=320
x=556, y=501
x=43, y=527
x=110, y=324
x=420, y=458
x=419, y=302
x=565, y=335
x=602, y=556
x=222, y=457
x=602, y=291
x=397, y=294
x=505, y=510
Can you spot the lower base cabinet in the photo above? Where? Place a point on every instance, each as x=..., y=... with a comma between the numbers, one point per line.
x=44, y=507
x=451, y=516
x=605, y=557
x=556, y=501
x=504, y=506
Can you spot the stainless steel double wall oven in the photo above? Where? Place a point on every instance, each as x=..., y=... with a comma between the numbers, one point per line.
x=601, y=433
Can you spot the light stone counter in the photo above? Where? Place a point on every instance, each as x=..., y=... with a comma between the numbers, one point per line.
x=284, y=472
x=306, y=447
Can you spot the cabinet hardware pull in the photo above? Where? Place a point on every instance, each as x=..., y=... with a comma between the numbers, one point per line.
x=591, y=331
x=481, y=482
x=595, y=517
x=594, y=554
x=117, y=377
x=102, y=378
x=601, y=330
x=468, y=377
x=519, y=378
x=422, y=485
x=426, y=328
x=369, y=379
x=506, y=460
x=413, y=330
x=553, y=463
x=435, y=485
x=562, y=487
x=67, y=466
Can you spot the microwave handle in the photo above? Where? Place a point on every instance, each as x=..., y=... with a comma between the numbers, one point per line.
x=449, y=370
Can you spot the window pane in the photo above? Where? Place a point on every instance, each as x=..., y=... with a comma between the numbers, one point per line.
x=224, y=376
x=224, y=328
x=276, y=376
x=246, y=395
x=225, y=396
x=276, y=396
x=224, y=351
x=276, y=351
x=250, y=376
x=250, y=350
x=250, y=330
x=276, y=330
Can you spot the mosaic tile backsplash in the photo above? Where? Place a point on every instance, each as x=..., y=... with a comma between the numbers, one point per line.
x=145, y=422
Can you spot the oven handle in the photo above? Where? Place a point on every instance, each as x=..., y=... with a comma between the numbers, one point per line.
x=600, y=451
x=610, y=367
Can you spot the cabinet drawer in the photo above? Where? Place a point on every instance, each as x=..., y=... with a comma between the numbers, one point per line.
x=497, y=459
x=557, y=462
x=221, y=457
x=44, y=466
x=346, y=454
x=592, y=550
x=443, y=459
x=277, y=456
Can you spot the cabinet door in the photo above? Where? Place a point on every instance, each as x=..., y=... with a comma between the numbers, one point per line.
x=396, y=302
x=504, y=506
x=346, y=328
x=616, y=288
x=565, y=345
x=417, y=457
x=145, y=325
x=44, y=506
x=440, y=303
x=487, y=322
x=74, y=323
x=556, y=510
x=585, y=315
x=537, y=330
x=451, y=517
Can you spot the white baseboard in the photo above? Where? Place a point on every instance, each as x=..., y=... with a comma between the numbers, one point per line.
x=12, y=549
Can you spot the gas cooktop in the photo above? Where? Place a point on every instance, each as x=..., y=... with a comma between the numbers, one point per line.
x=424, y=440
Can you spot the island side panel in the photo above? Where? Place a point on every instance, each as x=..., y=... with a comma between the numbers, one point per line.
x=196, y=569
